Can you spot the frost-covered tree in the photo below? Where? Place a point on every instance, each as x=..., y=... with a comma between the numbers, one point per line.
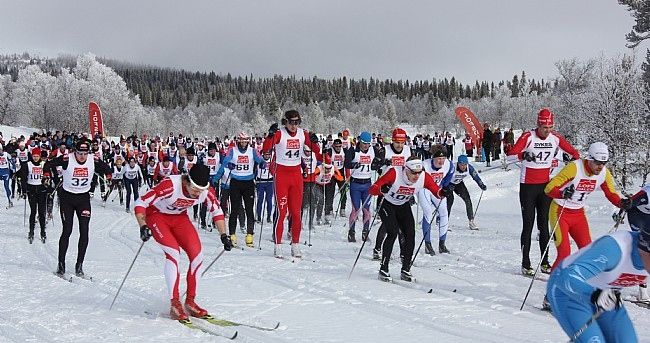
x=6, y=93
x=35, y=97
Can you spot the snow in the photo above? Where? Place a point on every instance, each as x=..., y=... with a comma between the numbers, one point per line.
x=11, y=131
x=476, y=290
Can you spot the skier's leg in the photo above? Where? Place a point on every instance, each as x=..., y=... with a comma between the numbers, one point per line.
x=366, y=209
x=542, y=204
x=406, y=222
x=248, y=194
x=67, y=209
x=527, y=204
x=461, y=190
x=562, y=242
x=83, y=215
x=235, y=204
x=162, y=234
x=189, y=241
x=294, y=209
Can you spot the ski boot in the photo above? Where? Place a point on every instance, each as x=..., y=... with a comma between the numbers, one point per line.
x=472, y=225
x=78, y=270
x=204, y=227
x=43, y=237
x=327, y=220
x=376, y=255
x=177, y=312
x=60, y=269
x=406, y=275
x=128, y=210
x=342, y=211
x=545, y=268
x=351, y=237
x=193, y=309
x=92, y=194
x=527, y=271
x=384, y=275
x=643, y=293
x=249, y=240
x=546, y=306
x=319, y=221
x=277, y=251
x=30, y=237
x=11, y=204
x=428, y=249
x=364, y=235
x=268, y=220
x=442, y=248
x=233, y=239
x=295, y=250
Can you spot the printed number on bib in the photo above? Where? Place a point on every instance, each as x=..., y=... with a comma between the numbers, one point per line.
x=541, y=154
x=242, y=167
x=292, y=153
x=79, y=182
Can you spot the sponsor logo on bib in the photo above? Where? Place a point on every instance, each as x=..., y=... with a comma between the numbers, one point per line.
x=293, y=143
x=397, y=161
x=80, y=172
x=364, y=160
x=182, y=203
x=628, y=280
x=586, y=185
x=242, y=159
x=405, y=190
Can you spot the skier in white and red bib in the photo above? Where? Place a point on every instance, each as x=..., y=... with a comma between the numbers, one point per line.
x=164, y=210
x=288, y=143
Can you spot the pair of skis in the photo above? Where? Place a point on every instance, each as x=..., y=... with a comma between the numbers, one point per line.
x=198, y=324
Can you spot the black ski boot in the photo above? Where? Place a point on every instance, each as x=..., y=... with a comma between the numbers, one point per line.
x=442, y=248
x=78, y=270
x=406, y=276
x=60, y=269
x=428, y=249
x=364, y=235
x=384, y=275
x=376, y=255
x=30, y=237
x=351, y=237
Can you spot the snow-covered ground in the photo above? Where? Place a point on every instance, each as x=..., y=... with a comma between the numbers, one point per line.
x=11, y=131
x=476, y=291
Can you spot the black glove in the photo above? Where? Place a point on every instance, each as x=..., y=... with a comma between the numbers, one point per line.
x=313, y=138
x=568, y=192
x=448, y=191
x=385, y=188
x=529, y=156
x=273, y=129
x=606, y=300
x=618, y=218
x=227, y=243
x=566, y=157
x=412, y=201
x=356, y=165
x=145, y=233
x=483, y=187
x=23, y=195
x=388, y=162
x=626, y=204
x=45, y=180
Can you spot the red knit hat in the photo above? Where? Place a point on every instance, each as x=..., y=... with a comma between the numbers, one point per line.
x=36, y=152
x=399, y=135
x=545, y=117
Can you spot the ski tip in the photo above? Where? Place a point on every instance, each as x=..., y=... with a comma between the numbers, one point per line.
x=233, y=336
x=430, y=290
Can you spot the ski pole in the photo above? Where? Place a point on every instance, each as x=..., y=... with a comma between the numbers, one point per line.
x=213, y=261
x=24, y=210
x=341, y=191
x=259, y=240
x=433, y=217
x=364, y=241
x=543, y=254
x=584, y=327
x=479, y=202
x=621, y=216
x=125, y=276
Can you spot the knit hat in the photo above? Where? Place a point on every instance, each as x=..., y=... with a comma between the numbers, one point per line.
x=463, y=159
x=399, y=135
x=200, y=176
x=82, y=145
x=365, y=137
x=545, y=117
x=36, y=152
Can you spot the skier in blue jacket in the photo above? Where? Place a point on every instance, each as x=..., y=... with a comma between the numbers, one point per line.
x=463, y=169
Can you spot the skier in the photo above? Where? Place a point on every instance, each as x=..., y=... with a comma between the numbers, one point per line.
x=212, y=160
x=241, y=160
x=132, y=182
x=337, y=155
x=324, y=175
x=638, y=216
x=162, y=213
x=31, y=177
x=288, y=142
x=362, y=161
x=117, y=181
x=442, y=171
x=584, y=289
x=74, y=197
x=463, y=168
x=312, y=198
x=395, y=155
x=571, y=187
x=6, y=167
x=469, y=145
x=264, y=184
x=164, y=169
x=536, y=148
x=398, y=185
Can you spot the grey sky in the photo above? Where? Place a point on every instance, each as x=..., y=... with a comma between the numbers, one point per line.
x=399, y=39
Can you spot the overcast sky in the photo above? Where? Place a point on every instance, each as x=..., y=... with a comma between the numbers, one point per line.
x=399, y=39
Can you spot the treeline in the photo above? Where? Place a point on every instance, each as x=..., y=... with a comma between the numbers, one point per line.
x=172, y=88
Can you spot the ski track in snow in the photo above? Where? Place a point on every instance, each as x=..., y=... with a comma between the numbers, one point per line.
x=476, y=290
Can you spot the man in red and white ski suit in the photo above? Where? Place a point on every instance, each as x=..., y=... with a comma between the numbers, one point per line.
x=164, y=209
x=536, y=149
x=288, y=143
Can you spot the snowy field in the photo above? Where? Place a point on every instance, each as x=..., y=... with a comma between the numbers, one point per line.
x=476, y=291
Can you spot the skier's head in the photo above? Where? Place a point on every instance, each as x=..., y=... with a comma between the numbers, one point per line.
x=545, y=122
x=597, y=157
x=438, y=155
x=82, y=148
x=118, y=161
x=166, y=161
x=291, y=120
x=412, y=169
x=327, y=164
x=152, y=161
x=243, y=140
x=212, y=149
x=36, y=154
x=337, y=145
x=190, y=153
x=197, y=180
x=462, y=162
x=266, y=155
x=132, y=162
x=365, y=138
x=399, y=139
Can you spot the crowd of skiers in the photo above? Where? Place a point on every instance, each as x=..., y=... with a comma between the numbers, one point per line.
x=295, y=174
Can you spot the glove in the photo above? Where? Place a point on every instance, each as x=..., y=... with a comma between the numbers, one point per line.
x=23, y=195
x=483, y=187
x=273, y=129
x=145, y=233
x=566, y=157
x=617, y=218
x=626, y=204
x=313, y=138
x=412, y=201
x=356, y=165
x=225, y=239
x=45, y=180
x=109, y=177
x=568, y=192
x=385, y=188
x=606, y=300
x=231, y=166
x=529, y=156
x=447, y=191
x=388, y=162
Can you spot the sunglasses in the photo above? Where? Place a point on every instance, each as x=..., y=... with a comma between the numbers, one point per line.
x=599, y=163
x=81, y=153
x=294, y=121
x=414, y=172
